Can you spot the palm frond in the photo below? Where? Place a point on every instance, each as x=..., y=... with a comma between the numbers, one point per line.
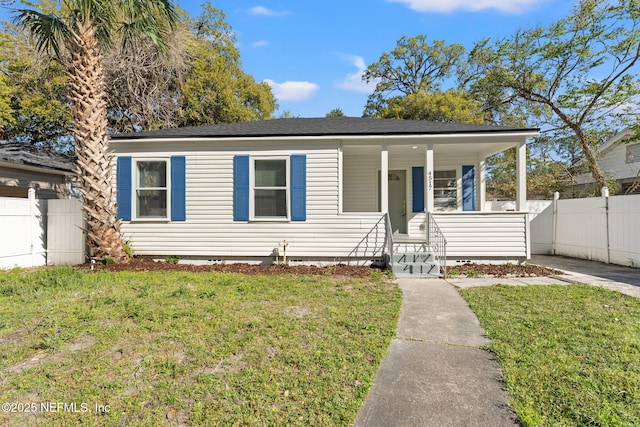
x=49, y=31
x=150, y=19
x=105, y=19
x=142, y=29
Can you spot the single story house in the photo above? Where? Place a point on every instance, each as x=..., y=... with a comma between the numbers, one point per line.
x=24, y=166
x=619, y=161
x=322, y=189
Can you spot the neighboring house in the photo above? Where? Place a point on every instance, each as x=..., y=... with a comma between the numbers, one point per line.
x=619, y=161
x=24, y=166
x=245, y=191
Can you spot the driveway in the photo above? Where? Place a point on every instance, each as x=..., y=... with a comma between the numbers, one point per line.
x=619, y=278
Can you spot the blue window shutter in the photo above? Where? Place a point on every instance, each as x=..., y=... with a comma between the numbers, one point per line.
x=468, y=188
x=417, y=177
x=123, y=188
x=241, y=188
x=298, y=187
x=178, y=188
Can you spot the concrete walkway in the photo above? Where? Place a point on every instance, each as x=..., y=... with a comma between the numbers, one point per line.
x=434, y=372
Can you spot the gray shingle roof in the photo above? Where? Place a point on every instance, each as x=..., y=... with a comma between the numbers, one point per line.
x=30, y=155
x=320, y=127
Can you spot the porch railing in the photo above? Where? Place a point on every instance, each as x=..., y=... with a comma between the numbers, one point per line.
x=438, y=244
x=485, y=235
x=374, y=243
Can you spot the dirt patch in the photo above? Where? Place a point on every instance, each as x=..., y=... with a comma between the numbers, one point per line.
x=298, y=311
x=143, y=264
x=335, y=271
x=501, y=270
x=81, y=343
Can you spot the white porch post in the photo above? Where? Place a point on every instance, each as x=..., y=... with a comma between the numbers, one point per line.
x=384, y=180
x=428, y=176
x=482, y=178
x=521, y=176
x=340, y=179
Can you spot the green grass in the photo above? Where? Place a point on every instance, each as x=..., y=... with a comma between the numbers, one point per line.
x=570, y=354
x=197, y=349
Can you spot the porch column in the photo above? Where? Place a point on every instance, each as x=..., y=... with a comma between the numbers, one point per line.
x=428, y=176
x=482, y=179
x=521, y=176
x=340, y=179
x=384, y=178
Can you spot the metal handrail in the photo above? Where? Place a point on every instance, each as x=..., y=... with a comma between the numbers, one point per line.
x=373, y=244
x=438, y=244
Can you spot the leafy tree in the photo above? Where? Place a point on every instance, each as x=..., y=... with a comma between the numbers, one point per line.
x=545, y=175
x=33, y=102
x=287, y=114
x=499, y=105
x=578, y=72
x=449, y=106
x=336, y=112
x=413, y=67
x=77, y=35
x=146, y=89
x=143, y=83
x=216, y=89
x=6, y=116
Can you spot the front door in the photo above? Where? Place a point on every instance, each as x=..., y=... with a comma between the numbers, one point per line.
x=468, y=188
x=397, y=200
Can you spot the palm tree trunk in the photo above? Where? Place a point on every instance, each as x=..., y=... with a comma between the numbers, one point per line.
x=87, y=92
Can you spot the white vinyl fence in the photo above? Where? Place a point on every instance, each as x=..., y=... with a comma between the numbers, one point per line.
x=605, y=229
x=65, y=239
x=22, y=227
x=40, y=232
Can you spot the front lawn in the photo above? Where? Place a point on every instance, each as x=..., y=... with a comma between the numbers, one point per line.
x=175, y=348
x=570, y=354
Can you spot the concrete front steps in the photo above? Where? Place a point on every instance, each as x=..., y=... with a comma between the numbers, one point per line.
x=414, y=259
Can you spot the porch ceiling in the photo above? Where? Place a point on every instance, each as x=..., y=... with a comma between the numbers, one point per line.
x=480, y=149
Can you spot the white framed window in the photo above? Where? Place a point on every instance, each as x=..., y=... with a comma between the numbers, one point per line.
x=445, y=189
x=151, y=189
x=633, y=153
x=269, y=188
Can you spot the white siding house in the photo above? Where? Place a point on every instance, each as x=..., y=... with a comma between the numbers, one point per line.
x=243, y=191
x=620, y=161
x=25, y=166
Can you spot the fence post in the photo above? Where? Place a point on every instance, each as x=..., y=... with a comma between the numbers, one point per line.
x=605, y=194
x=556, y=196
x=31, y=194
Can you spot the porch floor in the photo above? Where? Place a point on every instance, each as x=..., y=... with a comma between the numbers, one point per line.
x=405, y=238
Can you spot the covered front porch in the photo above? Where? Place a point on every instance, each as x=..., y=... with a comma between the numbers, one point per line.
x=436, y=186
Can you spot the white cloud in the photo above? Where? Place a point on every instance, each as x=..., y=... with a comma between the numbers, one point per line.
x=263, y=11
x=260, y=43
x=353, y=81
x=292, y=91
x=444, y=6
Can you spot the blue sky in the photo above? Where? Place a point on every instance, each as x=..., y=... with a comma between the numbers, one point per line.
x=312, y=53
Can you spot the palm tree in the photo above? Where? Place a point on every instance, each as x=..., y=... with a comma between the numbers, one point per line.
x=76, y=35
